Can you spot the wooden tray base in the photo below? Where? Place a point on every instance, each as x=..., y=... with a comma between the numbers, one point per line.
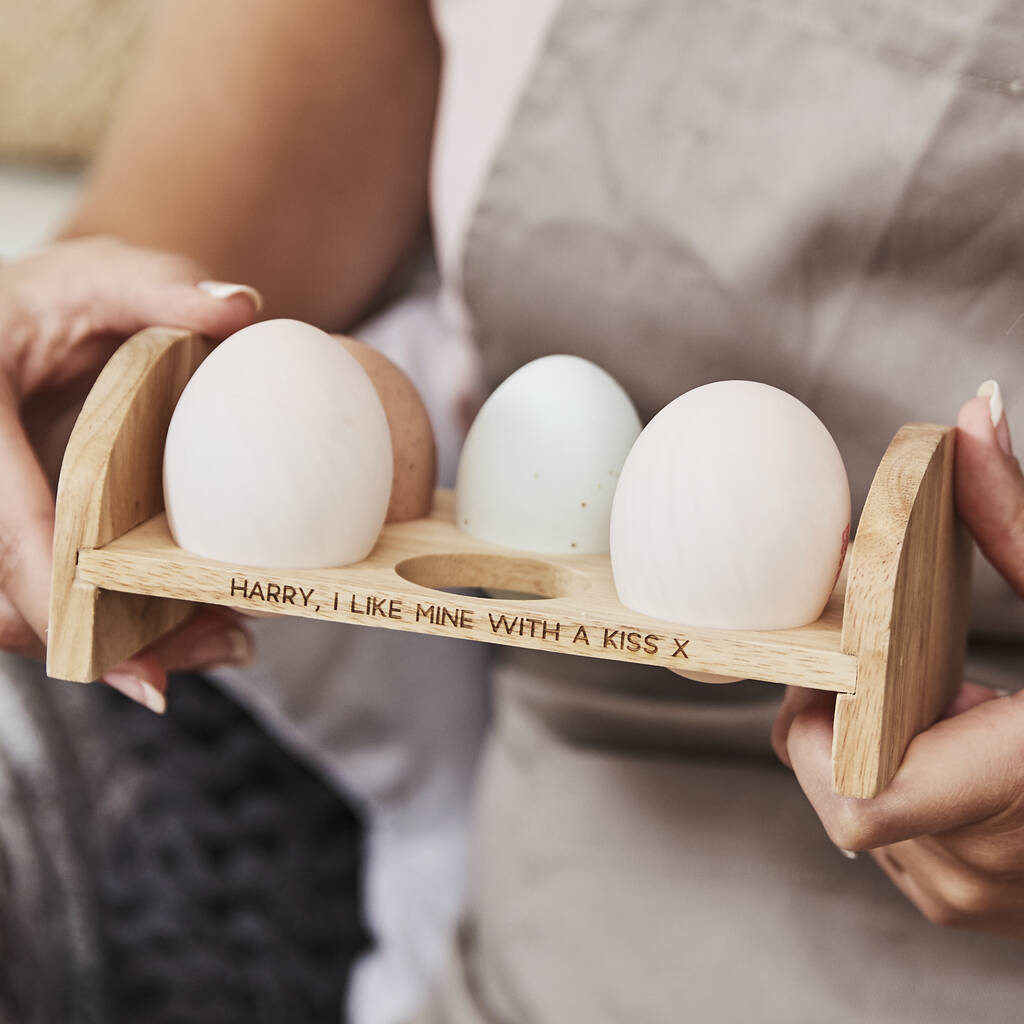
x=402, y=586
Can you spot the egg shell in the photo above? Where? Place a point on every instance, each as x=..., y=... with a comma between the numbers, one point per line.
x=732, y=511
x=412, y=437
x=542, y=458
x=278, y=454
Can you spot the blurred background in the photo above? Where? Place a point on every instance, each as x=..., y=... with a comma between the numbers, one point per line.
x=62, y=66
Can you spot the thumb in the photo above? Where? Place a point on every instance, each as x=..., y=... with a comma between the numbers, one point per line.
x=989, y=483
x=961, y=770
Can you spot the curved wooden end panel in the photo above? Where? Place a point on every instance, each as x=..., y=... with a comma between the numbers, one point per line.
x=905, y=618
x=110, y=481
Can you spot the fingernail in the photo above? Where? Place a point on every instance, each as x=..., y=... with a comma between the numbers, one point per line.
x=138, y=690
x=241, y=648
x=990, y=390
x=848, y=854
x=1003, y=693
x=229, y=648
x=227, y=290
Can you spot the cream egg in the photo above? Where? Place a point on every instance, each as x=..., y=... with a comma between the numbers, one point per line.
x=542, y=458
x=278, y=453
x=732, y=511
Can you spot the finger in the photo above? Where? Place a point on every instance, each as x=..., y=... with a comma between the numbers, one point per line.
x=81, y=291
x=970, y=695
x=26, y=523
x=16, y=636
x=893, y=861
x=211, y=637
x=142, y=680
x=989, y=484
x=213, y=308
x=797, y=700
x=993, y=847
x=151, y=286
x=947, y=891
x=143, y=287
x=962, y=770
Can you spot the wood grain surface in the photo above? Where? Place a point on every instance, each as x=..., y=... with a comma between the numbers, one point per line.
x=398, y=588
x=110, y=481
x=906, y=610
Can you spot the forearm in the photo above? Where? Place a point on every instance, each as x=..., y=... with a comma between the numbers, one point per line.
x=284, y=144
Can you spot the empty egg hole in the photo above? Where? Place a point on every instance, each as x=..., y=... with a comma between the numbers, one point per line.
x=499, y=577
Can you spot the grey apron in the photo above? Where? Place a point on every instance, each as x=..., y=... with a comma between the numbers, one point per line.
x=826, y=195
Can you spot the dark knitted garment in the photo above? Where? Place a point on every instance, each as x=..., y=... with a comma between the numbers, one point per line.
x=228, y=874
x=51, y=969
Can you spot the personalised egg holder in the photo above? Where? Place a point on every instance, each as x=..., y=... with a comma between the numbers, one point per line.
x=890, y=643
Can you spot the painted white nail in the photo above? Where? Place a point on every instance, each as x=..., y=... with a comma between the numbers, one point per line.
x=153, y=698
x=990, y=390
x=138, y=690
x=227, y=290
x=241, y=648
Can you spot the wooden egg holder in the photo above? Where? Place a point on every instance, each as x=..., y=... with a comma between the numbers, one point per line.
x=890, y=643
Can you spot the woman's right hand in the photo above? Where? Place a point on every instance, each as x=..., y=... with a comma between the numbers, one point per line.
x=948, y=830
x=63, y=311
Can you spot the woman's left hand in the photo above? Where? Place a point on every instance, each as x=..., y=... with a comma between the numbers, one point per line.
x=64, y=310
x=949, y=828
